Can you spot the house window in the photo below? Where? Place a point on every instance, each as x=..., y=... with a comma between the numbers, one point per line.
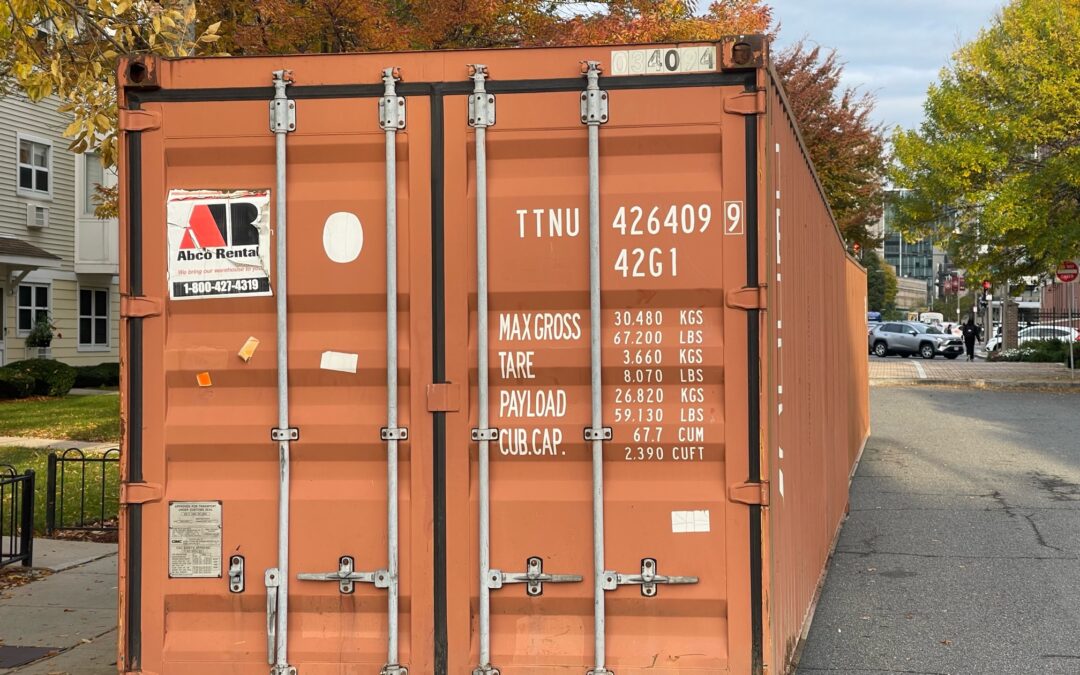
x=93, y=176
x=93, y=317
x=33, y=306
x=35, y=167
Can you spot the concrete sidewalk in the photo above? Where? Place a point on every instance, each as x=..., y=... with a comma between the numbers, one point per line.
x=895, y=370
x=54, y=443
x=68, y=617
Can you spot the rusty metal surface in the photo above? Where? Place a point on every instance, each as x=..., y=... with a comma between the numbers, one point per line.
x=676, y=238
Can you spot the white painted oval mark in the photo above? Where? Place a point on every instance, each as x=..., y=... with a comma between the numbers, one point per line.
x=343, y=237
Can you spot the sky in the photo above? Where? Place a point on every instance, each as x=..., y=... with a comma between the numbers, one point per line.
x=893, y=49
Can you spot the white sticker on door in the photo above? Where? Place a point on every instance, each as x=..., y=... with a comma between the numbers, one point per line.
x=689, y=521
x=219, y=243
x=194, y=540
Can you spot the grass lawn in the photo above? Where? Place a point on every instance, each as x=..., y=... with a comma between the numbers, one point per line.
x=71, y=511
x=76, y=418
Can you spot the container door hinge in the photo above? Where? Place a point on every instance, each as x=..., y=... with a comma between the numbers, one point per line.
x=443, y=397
x=139, y=493
x=748, y=298
x=139, y=306
x=754, y=494
x=748, y=103
x=139, y=120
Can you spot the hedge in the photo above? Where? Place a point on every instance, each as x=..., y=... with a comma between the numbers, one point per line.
x=50, y=378
x=14, y=384
x=101, y=375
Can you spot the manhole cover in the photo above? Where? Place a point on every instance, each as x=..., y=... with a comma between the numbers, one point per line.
x=12, y=656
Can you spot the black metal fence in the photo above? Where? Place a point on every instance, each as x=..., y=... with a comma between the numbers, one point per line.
x=77, y=497
x=16, y=516
x=1047, y=319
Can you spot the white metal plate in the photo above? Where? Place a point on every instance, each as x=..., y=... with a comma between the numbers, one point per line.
x=661, y=60
x=194, y=539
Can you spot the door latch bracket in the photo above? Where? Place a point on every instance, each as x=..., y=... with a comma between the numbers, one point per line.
x=290, y=434
x=647, y=579
x=346, y=576
x=601, y=434
x=533, y=577
x=236, y=574
x=491, y=434
x=396, y=434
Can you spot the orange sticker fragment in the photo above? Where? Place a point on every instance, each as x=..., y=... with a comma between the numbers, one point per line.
x=203, y=379
x=248, y=350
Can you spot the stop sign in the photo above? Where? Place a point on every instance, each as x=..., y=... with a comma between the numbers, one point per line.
x=1068, y=271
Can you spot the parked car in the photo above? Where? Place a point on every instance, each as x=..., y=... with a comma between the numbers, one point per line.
x=1063, y=333
x=871, y=325
x=911, y=337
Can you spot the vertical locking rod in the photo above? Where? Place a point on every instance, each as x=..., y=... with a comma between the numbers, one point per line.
x=391, y=118
x=282, y=121
x=593, y=114
x=479, y=118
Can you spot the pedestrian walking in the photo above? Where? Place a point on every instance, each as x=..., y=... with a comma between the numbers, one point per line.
x=972, y=333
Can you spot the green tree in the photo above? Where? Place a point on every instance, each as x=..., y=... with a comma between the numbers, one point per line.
x=994, y=169
x=880, y=284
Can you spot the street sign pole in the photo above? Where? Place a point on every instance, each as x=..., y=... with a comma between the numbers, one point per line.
x=1067, y=273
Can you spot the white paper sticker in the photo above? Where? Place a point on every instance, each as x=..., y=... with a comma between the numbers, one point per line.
x=219, y=243
x=194, y=539
x=689, y=521
x=339, y=361
x=659, y=60
x=343, y=237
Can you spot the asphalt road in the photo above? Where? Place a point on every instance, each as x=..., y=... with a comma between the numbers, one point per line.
x=962, y=550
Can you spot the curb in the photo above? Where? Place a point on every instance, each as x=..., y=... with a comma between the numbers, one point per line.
x=1018, y=385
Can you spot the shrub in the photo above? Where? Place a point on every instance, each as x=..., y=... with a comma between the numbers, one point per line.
x=1037, y=351
x=51, y=378
x=88, y=377
x=101, y=375
x=14, y=384
x=110, y=374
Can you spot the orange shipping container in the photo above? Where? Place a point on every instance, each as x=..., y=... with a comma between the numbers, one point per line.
x=574, y=387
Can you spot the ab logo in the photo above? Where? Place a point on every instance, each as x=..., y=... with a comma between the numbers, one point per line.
x=218, y=225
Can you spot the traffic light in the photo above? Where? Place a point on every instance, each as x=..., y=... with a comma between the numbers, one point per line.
x=986, y=285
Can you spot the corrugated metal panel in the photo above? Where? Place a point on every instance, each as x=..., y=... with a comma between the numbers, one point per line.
x=818, y=408
x=681, y=229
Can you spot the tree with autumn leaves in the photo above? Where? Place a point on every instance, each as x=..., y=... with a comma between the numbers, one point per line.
x=69, y=48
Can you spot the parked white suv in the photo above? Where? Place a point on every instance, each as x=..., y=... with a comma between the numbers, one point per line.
x=1063, y=333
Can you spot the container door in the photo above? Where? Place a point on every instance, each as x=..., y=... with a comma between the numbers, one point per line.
x=672, y=174
x=207, y=393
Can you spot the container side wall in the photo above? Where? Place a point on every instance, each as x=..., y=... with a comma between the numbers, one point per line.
x=817, y=380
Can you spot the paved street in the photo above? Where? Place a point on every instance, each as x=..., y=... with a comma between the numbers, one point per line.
x=961, y=551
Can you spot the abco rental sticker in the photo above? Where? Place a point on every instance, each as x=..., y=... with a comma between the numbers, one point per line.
x=219, y=243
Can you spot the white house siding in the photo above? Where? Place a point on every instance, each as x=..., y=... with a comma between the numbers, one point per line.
x=42, y=121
